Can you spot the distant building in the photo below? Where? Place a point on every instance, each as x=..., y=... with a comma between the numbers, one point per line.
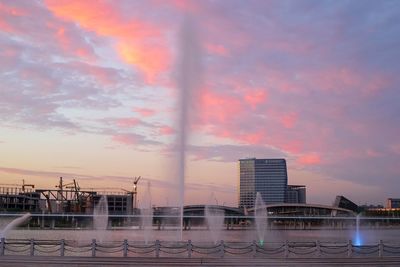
x=18, y=200
x=117, y=203
x=266, y=176
x=296, y=194
x=393, y=203
x=344, y=203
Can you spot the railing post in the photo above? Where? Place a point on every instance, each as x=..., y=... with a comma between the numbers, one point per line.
x=254, y=248
x=62, y=247
x=222, y=249
x=286, y=249
x=189, y=248
x=318, y=247
x=349, y=248
x=125, y=248
x=380, y=248
x=157, y=248
x=93, y=247
x=32, y=247
x=2, y=246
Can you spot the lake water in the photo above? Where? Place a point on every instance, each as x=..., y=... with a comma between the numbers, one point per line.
x=368, y=236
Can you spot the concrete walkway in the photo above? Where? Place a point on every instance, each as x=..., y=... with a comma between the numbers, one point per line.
x=117, y=261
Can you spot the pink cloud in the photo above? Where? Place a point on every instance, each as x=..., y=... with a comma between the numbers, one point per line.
x=291, y=146
x=139, y=42
x=309, y=159
x=105, y=76
x=219, y=108
x=289, y=120
x=343, y=79
x=69, y=42
x=127, y=139
x=127, y=122
x=217, y=49
x=254, y=97
x=166, y=130
x=6, y=13
x=145, y=112
x=373, y=153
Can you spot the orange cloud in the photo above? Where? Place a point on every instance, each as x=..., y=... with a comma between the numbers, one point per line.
x=139, y=43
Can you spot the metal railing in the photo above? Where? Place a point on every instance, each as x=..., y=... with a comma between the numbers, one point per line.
x=189, y=249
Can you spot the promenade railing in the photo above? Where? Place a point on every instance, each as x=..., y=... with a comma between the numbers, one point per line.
x=189, y=249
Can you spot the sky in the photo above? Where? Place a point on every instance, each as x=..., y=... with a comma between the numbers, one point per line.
x=88, y=91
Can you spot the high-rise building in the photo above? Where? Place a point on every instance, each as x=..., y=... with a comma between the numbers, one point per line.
x=266, y=176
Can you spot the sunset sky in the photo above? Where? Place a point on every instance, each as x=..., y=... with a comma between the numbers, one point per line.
x=88, y=91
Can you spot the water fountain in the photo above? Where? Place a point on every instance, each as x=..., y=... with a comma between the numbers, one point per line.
x=100, y=218
x=14, y=223
x=188, y=80
x=100, y=214
x=357, y=234
x=214, y=218
x=146, y=213
x=260, y=218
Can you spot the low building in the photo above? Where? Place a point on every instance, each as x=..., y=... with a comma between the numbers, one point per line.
x=296, y=194
x=393, y=203
x=342, y=202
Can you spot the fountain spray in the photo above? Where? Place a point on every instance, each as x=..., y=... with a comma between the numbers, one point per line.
x=188, y=80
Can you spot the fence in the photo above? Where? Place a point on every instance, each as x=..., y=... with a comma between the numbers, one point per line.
x=190, y=249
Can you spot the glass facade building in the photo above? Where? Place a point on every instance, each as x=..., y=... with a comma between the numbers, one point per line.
x=267, y=176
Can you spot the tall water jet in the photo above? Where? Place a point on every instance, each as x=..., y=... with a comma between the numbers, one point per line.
x=14, y=223
x=188, y=79
x=357, y=234
x=100, y=217
x=146, y=213
x=215, y=220
x=260, y=218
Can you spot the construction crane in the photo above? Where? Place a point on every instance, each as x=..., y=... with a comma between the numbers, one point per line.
x=26, y=185
x=133, y=193
x=135, y=182
x=75, y=187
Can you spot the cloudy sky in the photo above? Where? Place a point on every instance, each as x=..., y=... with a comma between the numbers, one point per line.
x=88, y=91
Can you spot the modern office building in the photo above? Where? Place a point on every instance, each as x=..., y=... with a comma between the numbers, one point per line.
x=296, y=194
x=266, y=176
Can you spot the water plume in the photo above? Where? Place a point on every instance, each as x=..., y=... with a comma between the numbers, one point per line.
x=260, y=218
x=357, y=234
x=188, y=80
x=14, y=223
x=146, y=213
